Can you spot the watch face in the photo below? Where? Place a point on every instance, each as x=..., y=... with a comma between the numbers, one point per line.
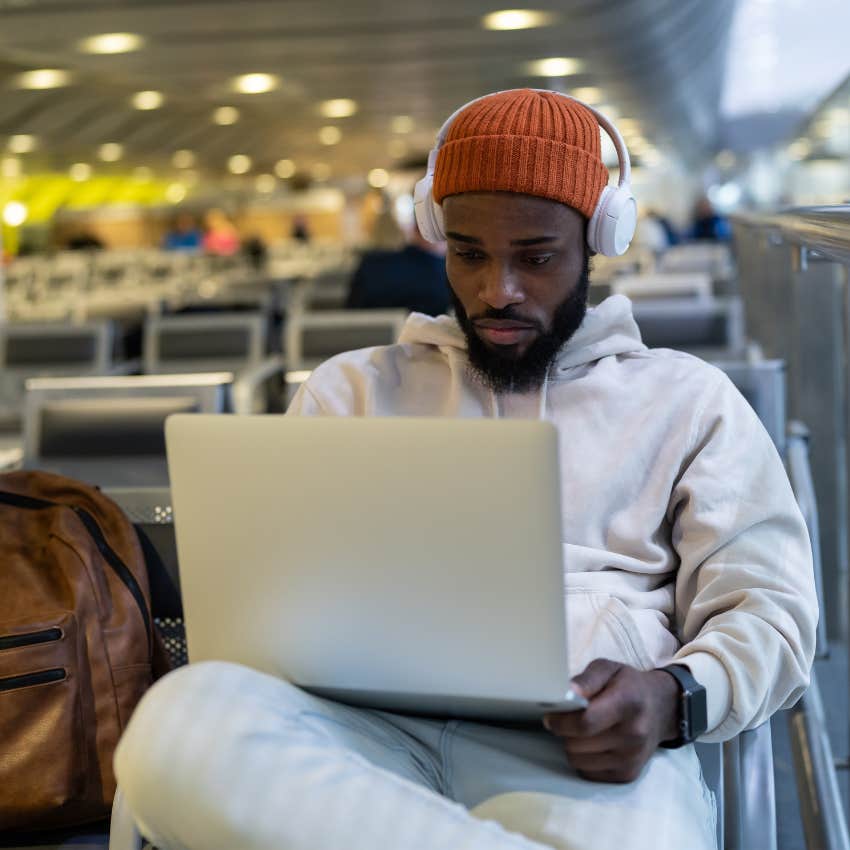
x=698, y=712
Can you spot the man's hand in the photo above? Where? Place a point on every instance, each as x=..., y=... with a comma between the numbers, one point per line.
x=629, y=713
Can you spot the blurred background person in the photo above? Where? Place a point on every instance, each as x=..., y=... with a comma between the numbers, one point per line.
x=300, y=229
x=221, y=237
x=708, y=224
x=413, y=278
x=184, y=234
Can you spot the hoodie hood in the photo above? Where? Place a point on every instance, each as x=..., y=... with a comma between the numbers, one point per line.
x=607, y=329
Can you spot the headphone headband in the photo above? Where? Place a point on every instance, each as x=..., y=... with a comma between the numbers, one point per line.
x=610, y=228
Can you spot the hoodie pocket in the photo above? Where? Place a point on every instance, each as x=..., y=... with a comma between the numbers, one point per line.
x=601, y=626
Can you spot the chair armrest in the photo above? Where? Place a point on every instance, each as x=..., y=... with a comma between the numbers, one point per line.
x=123, y=834
x=247, y=382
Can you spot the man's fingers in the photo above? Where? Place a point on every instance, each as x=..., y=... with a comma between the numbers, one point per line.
x=608, y=709
x=608, y=741
x=595, y=676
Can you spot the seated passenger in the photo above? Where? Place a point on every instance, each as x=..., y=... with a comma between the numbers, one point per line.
x=413, y=278
x=683, y=546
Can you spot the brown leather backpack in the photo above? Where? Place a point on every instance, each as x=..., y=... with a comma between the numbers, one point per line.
x=77, y=644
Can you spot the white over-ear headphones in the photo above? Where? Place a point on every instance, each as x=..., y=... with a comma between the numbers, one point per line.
x=612, y=226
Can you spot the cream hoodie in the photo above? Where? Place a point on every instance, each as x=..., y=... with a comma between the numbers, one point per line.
x=682, y=539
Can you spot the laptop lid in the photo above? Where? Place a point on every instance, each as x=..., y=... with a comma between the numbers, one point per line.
x=404, y=563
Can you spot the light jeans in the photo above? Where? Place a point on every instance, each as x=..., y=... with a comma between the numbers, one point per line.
x=220, y=757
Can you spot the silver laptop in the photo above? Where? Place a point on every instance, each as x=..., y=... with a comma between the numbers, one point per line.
x=406, y=564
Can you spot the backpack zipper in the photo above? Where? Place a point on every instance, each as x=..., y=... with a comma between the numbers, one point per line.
x=57, y=674
x=30, y=639
x=95, y=532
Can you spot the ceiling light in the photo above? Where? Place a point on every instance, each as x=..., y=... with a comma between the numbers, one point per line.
x=588, y=94
x=147, y=100
x=799, y=149
x=558, y=66
x=320, y=171
x=225, y=115
x=378, y=178
x=10, y=168
x=80, y=172
x=111, y=152
x=285, y=168
x=516, y=19
x=402, y=124
x=22, y=144
x=330, y=135
x=255, y=83
x=143, y=174
x=340, y=107
x=183, y=159
x=112, y=42
x=15, y=214
x=43, y=78
x=266, y=183
x=175, y=193
x=239, y=164
x=725, y=159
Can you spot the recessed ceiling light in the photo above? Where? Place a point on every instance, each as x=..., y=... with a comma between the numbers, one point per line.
x=239, y=164
x=148, y=100
x=330, y=135
x=112, y=42
x=111, y=152
x=80, y=172
x=183, y=159
x=285, y=168
x=43, y=78
x=255, y=83
x=265, y=183
x=175, y=193
x=10, y=168
x=378, y=178
x=556, y=66
x=517, y=19
x=225, y=115
x=799, y=149
x=588, y=94
x=341, y=107
x=320, y=171
x=22, y=144
x=402, y=124
x=15, y=213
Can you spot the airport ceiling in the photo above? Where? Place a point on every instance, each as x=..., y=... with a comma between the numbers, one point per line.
x=658, y=62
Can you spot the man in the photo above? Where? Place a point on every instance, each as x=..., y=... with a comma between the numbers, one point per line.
x=682, y=543
x=413, y=278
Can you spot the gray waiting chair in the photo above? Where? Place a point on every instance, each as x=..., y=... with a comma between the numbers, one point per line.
x=311, y=338
x=111, y=431
x=711, y=328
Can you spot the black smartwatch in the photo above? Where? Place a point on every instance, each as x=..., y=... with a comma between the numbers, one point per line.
x=693, y=713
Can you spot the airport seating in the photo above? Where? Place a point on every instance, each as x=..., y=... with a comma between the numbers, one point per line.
x=666, y=285
x=712, y=258
x=110, y=431
x=49, y=349
x=710, y=328
x=204, y=342
x=310, y=338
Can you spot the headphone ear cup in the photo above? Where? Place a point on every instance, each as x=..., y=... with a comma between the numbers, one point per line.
x=429, y=216
x=612, y=226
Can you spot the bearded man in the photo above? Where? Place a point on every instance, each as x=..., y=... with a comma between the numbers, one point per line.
x=689, y=577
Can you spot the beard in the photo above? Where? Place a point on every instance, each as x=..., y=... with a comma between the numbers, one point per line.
x=504, y=369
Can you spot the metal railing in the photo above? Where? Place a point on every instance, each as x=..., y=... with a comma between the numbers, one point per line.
x=794, y=276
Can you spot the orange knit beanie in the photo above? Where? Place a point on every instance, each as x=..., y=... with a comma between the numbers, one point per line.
x=531, y=142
